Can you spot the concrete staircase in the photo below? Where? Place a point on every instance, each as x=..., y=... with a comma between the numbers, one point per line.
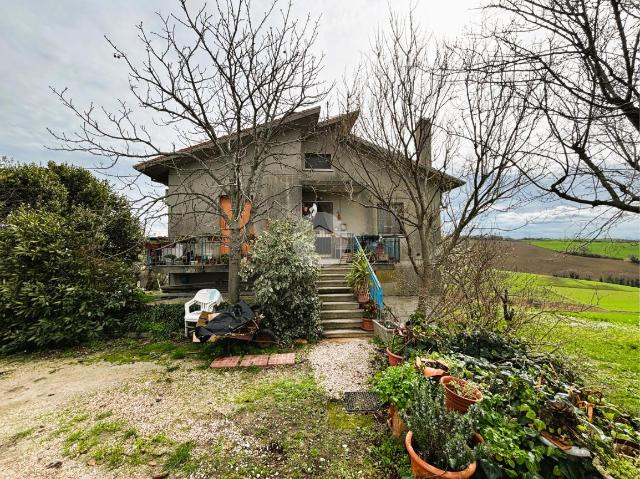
x=339, y=313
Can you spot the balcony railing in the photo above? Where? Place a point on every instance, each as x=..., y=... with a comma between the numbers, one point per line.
x=381, y=249
x=200, y=251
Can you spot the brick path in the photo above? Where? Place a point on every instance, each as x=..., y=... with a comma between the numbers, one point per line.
x=260, y=360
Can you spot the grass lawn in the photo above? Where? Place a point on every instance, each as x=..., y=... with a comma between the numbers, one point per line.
x=609, y=249
x=605, y=339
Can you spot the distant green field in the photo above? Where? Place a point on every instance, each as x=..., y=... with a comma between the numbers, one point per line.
x=610, y=249
x=606, y=338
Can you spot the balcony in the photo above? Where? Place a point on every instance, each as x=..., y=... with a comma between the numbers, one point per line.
x=196, y=254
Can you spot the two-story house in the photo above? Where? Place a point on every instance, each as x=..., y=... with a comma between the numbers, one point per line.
x=311, y=176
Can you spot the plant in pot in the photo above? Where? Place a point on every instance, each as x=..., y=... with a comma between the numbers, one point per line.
x=395, y=350
x=358, y=277
x=170, y=258
x=370, y=313
x=459, y=393
x=394, y=386
x=440, y=443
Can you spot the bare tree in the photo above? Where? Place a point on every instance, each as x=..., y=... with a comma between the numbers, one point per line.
x=227, y=86
x=583, y=56
x=423, y=105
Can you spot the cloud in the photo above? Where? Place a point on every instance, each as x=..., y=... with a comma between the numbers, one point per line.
x=61, y=43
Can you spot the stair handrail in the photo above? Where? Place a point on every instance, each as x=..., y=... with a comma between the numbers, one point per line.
x=375, y=288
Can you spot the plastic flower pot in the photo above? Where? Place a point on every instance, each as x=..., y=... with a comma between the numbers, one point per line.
x=455, y=402
x=422, y=469
x=394, y=359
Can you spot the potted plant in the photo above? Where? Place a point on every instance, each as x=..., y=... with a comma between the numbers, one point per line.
x=440, y=443
x=170, y=258
x=394, y=386
x=370, y=313
x=395, y=350
x=358, y=277
x=459, y=394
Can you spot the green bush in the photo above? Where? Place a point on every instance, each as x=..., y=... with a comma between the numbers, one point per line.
x=443, y=436
x=56, y=288
x=283, y=268
x=161, y=321
x=68, y=247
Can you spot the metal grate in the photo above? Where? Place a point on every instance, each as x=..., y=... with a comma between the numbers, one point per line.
x=361, y=401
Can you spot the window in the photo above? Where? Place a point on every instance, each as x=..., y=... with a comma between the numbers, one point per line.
x=317, y=161
x=387, y=223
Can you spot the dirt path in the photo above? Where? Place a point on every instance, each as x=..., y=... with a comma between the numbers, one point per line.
x=35, y=392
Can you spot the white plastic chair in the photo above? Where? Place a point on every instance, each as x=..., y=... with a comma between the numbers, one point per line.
x=206, y=300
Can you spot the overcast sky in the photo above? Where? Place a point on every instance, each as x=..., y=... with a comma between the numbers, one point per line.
x=61, y=43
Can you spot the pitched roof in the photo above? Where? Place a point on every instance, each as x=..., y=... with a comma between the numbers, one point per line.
x=158, y=168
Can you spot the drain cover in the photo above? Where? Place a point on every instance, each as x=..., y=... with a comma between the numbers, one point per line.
x=361, y=401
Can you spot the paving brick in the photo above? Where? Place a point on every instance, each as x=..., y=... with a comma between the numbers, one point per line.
x=255, y=360
x=282, y=359
x=225, y=362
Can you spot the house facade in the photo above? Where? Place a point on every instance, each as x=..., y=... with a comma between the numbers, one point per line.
x=310, y=178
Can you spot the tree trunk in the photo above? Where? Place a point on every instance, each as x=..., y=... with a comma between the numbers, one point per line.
x=235, y=246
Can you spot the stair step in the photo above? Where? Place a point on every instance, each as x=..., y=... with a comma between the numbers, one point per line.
x=334, y=290
x=341, y=323
x=331, y=284
x=336, y=297
x=342, y=305
x=332, y=276
x=341, y=314
x=347, y=333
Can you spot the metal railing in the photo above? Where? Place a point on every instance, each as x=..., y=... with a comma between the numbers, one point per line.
x=375, y=288
x=384, y=249
x=191, y=252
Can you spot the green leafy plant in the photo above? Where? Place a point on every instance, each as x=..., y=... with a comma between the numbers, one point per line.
x=396, y=384
x=56, y=286
x=396, y=344
x=161, y=321
x=443, y=438
x=371, y=310
x=284, y=267
x=68, y=248
x=358, y=276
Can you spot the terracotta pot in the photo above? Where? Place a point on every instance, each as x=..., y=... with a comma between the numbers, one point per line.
x=455, y=402
x=433, y=373
x=422, y=469
x=367, y=324
x=396, y=424
x=394, y=359
x=362, y=297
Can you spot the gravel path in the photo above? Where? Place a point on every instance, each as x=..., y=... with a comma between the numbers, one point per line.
x=342, y=365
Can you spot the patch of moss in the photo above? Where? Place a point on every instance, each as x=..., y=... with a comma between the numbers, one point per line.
x=339, y=419
x=279, y=390
x=111, y=456
x=22, y=434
